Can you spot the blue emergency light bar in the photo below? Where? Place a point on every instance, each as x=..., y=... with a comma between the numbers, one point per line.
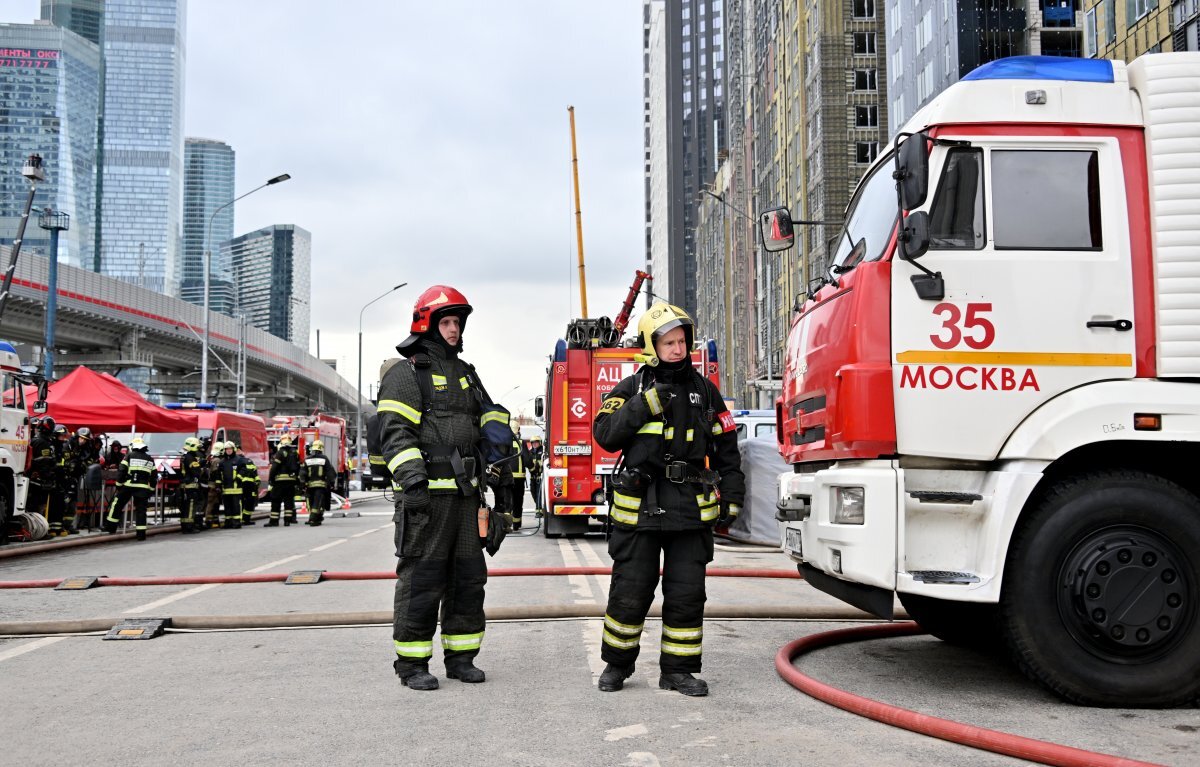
x=5, y=346
x=191, y=406
x=1045, y=68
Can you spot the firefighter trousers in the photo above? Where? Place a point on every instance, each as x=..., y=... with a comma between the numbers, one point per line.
x=232, y=502
x=518, y=499
x=283, y=493
x=191, y=505
x=635, y=555
x=140, y=498
x=441, y=566
x=318, y=504
x=38, y=500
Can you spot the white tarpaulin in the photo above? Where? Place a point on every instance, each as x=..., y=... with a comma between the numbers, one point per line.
x=762, y=466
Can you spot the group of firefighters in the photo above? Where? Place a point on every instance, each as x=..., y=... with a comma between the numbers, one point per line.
x=218, y=484
x=59, y=460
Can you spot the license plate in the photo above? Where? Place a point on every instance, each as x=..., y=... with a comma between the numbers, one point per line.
x=572, y=449
x=792, y=543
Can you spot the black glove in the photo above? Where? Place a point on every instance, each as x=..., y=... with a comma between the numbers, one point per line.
x=658, y=397
x=729, y=511
x=498, y=527
x=416, y=498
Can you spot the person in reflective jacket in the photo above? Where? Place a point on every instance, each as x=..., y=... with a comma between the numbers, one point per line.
x=316, y=474
x=230, y=472
x=136, y=480
x=433, y=412
x=282, y=482
x=191, y=496
x=679, y=473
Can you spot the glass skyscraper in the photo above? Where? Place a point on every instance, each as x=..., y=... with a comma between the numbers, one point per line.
x=272, y=273
x=140, y=161
x=207, y=185
x=49, y=98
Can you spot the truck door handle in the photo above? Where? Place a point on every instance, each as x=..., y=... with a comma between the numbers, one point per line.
x=1119, y=325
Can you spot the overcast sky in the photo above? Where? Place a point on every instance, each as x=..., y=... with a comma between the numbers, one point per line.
x=428, y=142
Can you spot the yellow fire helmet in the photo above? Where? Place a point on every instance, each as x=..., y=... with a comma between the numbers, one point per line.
x=659, y=319
x=285, y=440
x=318, y=445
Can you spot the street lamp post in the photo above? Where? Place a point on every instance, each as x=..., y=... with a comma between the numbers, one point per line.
x=55, y=222
x=358, y=469
x=207, y=276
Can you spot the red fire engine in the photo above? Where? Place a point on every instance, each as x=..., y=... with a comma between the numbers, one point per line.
x=303, y=429
x=585, y=366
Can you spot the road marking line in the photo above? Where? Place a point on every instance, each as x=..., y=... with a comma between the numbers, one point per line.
x=593, y=560
x=331, y=544
x=366, y=532
x=590, y=633
x=36, y=644
x=277, y=562
x=168, y=600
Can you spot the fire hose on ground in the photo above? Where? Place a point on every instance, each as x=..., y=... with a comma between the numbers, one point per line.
x=955, y=732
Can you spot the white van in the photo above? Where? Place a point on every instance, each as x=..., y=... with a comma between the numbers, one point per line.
x=753, y=423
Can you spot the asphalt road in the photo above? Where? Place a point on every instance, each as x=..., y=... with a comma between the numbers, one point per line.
x=328, y=696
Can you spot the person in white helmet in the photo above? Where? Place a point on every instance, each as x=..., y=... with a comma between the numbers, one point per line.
x=136, y=480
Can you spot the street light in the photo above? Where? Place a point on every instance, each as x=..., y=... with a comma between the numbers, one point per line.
x=54, y=222
x=358, y=421
x=207, y=276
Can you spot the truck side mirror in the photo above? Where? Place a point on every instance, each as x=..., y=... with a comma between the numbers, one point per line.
x=43, y=391
x=539, y=406
x=915, y=235
x=912, y=171
x=776, y=229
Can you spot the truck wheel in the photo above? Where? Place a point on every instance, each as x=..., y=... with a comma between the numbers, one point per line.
x=966, y=624
x=551, y=525
x=1100, y=591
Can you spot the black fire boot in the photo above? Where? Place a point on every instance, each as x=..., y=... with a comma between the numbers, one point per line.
x=465, y=671
x=684, y=683
x=141, y=535
x=415, y=677
x=272, y=523
x=186, y=529
x=614, y=677
x=287, y=521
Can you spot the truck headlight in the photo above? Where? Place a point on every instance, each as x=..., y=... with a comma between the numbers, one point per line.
x=849, y=505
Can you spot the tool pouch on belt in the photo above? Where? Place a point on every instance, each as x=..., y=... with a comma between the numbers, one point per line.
x=629, y=487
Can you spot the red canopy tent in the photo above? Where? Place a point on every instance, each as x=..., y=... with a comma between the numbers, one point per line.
x=102, y=403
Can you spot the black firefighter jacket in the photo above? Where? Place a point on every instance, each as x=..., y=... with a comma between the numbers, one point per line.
x=695, y=428
x=417, y=437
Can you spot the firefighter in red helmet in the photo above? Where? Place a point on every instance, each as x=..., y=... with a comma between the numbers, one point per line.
x=434, y=417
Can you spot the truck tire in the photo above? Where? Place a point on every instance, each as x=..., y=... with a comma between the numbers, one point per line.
x=1100, y=593
x=966, y=624
x=550, y=521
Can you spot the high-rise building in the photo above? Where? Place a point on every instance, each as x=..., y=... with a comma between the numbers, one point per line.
x=931, y=44
x=83, y=17
x=140, y=181
x=49, y=98
x=684, y=132
x=272, y=274
x=1126, y=30
x=1185, y=23
x=207, y=185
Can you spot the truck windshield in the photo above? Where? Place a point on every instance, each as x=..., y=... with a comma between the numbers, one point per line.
x=870, y=220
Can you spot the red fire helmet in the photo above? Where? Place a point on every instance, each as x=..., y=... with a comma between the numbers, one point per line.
x=438, y=299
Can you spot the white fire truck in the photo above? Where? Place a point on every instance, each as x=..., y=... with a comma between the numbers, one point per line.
x=992, y=404
x=15, y=386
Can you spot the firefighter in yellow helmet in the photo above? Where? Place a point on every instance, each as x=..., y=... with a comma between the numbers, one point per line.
x=282, y=483
x=316, y=474
x=680, y=473
x=191, y=498
x=136, y=480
